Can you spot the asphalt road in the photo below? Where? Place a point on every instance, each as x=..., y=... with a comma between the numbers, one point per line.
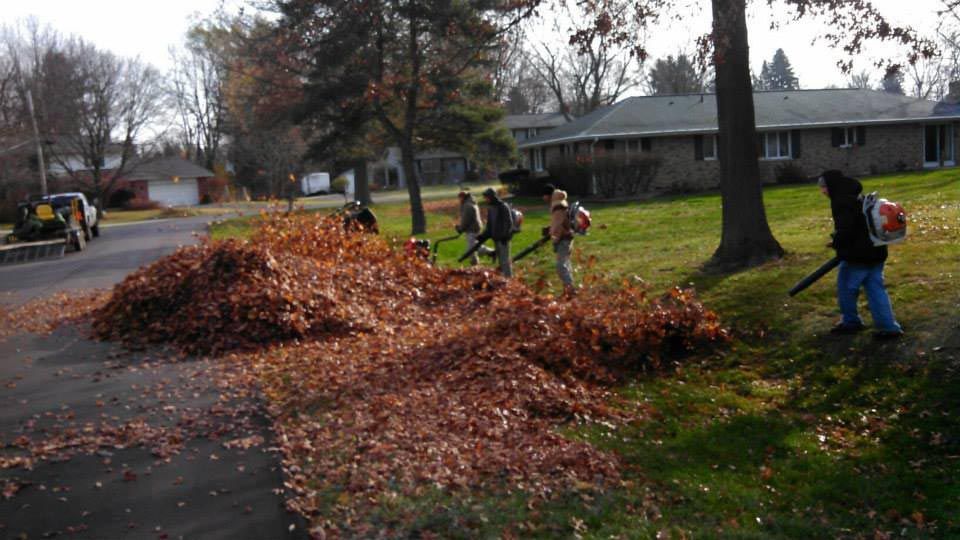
x=120, y=250
x=62, y=393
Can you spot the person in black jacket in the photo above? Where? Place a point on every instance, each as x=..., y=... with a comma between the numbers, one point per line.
x=499, y=228
x=861, y=262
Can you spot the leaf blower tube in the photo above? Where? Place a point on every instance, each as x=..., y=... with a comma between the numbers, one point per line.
x=530, y=249
x=813, y=277
x=470, y=251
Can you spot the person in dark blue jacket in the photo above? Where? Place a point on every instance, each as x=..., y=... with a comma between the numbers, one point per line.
x=499, y=229
x=861, y=262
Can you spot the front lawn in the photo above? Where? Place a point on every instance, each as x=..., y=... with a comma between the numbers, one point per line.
x=790, y=432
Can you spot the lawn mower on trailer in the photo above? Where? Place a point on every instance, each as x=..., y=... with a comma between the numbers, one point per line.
x=44, y=229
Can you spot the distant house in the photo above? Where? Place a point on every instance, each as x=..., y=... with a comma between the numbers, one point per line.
x=442, y=166
x=63, y=159
x=170, y=181
x=529, y=126
x=857, y=131
x=437, y=166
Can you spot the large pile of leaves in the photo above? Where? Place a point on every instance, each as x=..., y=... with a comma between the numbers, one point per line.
x=222, y=296
x=387, y=376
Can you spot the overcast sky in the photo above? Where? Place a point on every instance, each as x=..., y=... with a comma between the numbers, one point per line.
x=149, y=28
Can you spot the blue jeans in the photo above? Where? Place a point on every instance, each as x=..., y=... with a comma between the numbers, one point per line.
x=849, y=280
x=564, y=268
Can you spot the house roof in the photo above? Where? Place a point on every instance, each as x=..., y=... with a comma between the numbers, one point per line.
x=544, y=120
x=697, y=113
x=165, y=168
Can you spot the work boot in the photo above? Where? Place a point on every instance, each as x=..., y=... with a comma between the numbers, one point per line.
x=887, y=335
x=845, y=328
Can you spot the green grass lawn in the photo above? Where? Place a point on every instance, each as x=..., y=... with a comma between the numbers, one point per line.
x=789, y=432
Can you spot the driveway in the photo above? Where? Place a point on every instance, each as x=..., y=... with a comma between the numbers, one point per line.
x=100, y=442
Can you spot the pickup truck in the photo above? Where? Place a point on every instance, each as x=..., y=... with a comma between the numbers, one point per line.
x=90, y=222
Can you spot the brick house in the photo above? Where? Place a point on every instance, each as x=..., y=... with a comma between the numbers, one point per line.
x=858, y=131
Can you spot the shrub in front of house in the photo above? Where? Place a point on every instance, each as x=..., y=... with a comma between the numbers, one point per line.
x=141, y=204
x=571, y=175
x=120, y=198
x=790, y=173
x=617, y=177
x=521, y=182
x=624, y=176
x=339, y=184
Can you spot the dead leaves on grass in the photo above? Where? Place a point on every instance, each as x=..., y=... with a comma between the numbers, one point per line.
x=387, y=375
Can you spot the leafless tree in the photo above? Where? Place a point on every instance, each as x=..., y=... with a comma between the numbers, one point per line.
x=116, y=99
x=587, y=76
x=90, y=103
x=196, y=85
x=860, y=80
x=927, y=78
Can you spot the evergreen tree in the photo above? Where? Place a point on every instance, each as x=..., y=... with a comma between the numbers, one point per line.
x=517, y=102
x=402, y=68
x=675, y=76
x=761, y=82
x=893, y=83
x=779, y=73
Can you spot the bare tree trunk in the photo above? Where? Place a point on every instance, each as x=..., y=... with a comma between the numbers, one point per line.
x=361, y=184
x=747, y=239
x=417, y=215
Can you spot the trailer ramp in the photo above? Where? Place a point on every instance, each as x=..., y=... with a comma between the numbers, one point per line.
x=25, y=252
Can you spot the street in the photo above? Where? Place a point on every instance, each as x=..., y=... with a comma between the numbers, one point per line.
x=106, y=261
x=126, y=444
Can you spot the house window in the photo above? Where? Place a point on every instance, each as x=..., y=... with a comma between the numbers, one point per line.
x=531, y=133
x=639, y=145
x=609, y=144
x=538, y=158
x=520, y=135
x=709, y=147
x=776, y=145
x=848, y=137
x=938, y=146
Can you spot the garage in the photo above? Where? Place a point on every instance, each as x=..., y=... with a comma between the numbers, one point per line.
x=169, y=193
x=170, y=181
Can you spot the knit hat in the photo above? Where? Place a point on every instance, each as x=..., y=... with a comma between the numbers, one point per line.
x=548, y=189
x=490, y=192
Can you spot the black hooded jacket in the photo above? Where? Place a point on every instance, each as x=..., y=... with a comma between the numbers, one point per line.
x=499, y=221
x=850, y=237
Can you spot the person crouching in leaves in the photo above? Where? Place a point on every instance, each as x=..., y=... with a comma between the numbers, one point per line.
x=499, y=228
x=560, y=233
x=471, y=224
x=862, y=262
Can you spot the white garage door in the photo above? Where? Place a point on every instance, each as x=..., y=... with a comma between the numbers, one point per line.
x=169, y=193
